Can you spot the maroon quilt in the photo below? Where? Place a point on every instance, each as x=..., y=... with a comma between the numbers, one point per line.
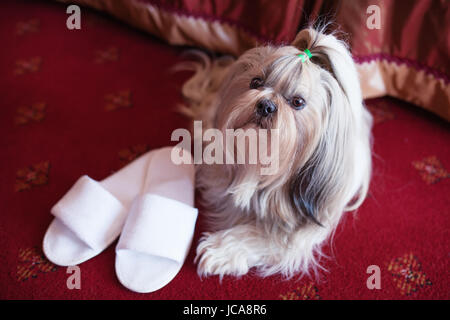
x=402, y=48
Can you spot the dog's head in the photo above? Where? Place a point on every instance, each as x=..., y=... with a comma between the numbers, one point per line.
x=323, y=142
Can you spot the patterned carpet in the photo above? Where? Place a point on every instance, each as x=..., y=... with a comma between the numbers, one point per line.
x=90, y=101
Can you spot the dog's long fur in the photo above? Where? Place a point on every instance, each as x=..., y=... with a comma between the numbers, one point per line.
x=278, y=223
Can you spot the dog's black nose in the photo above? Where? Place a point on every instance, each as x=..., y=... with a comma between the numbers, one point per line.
x=266, y=107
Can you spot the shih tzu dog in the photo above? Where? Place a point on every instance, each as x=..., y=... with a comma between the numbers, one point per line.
x=310, y=91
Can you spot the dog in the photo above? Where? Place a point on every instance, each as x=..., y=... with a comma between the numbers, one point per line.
x=310, y=91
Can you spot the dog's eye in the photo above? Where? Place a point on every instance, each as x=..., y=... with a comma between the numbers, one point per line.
x=256, y=83
x=298, y=103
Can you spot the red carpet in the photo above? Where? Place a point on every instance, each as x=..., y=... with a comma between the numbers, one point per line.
x=89, y=101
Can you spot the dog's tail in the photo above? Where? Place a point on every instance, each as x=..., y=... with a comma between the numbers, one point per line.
x=199, y=91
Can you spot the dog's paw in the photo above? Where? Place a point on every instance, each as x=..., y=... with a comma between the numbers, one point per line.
x=221, y=254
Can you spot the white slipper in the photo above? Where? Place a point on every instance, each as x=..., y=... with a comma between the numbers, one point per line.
x=160, y=226
x=90, y=216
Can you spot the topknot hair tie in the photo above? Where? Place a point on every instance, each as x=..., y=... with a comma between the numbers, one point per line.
x=306, y=55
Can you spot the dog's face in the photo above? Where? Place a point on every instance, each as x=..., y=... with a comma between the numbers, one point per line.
x=315, y=110
x=269, y=88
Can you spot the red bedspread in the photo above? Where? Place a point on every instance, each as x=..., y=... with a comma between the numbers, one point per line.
x=89, y=101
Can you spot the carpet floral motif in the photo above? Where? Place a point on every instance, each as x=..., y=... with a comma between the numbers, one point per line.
x=407, y=274
x=31, y=113
x=32, y=176
x=118, y=100
x=31, y=263
x=30, y=65
x=305, y=292
x=431, y=169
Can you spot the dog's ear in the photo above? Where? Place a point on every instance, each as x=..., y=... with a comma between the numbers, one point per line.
x=332, y=177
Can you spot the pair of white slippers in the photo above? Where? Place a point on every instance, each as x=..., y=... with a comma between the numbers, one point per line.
x=149, y=203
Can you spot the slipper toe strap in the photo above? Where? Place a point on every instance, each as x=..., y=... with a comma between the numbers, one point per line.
x=159, y=226
x=91, y=212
